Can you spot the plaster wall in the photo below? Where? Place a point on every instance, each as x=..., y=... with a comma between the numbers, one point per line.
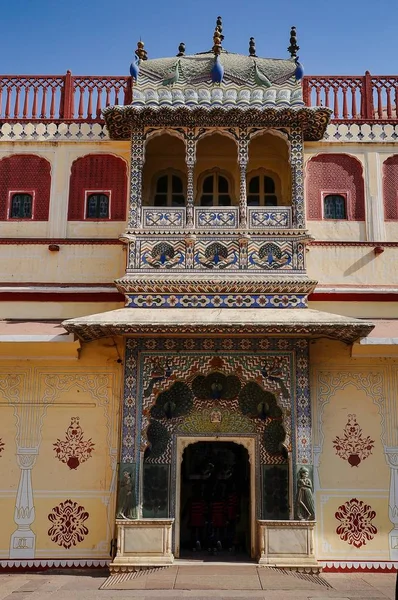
x=58, y=449
x=352, y=265
x=75, y=263
x=355, y=480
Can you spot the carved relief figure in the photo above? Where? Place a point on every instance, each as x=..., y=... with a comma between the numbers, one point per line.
x=305, y=507
x=126, y=500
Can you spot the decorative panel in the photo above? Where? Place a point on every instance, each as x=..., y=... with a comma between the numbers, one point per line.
x=216, y=217
x=163, y=218
x=271, y=217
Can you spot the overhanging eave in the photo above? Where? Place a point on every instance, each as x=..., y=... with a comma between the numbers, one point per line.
x=224, y=321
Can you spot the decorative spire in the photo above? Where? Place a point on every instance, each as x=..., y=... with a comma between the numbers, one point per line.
x=252, y=47
x=181, y=49
x=140, y=52
x=293, y=48
x=218, y=37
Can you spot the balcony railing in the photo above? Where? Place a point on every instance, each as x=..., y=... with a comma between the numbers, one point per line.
x=221, y=217
x=352, y=98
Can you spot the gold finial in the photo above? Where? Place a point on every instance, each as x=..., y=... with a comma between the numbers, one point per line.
x=140, y=52
x=218, y=37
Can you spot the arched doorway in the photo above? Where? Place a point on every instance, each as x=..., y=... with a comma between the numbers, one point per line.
x=215, y=501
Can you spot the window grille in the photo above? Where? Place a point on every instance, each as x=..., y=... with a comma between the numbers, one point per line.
x=21, y=206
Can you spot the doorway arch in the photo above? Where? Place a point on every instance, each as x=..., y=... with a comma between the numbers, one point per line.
x=249, y=443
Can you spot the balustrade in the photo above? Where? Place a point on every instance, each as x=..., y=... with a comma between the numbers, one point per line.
x=217, y=217
x=82, y=98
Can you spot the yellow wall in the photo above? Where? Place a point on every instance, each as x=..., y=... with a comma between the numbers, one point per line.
x=364, y=387
x=38, y=398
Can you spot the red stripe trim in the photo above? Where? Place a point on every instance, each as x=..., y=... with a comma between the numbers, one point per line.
x=352, y=297
x=61, y=297
x=63, y=241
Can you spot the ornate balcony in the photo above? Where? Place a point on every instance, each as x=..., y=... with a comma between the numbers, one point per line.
x=220, y=217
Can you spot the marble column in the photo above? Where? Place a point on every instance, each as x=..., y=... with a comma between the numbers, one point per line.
x=297, y=174
x=190, y=159
x=137, y=165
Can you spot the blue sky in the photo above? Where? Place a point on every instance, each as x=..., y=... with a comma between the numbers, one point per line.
x=98, y=37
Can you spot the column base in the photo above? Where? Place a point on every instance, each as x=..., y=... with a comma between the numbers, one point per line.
x=287, y=545
x=142, y=543
x=22, y=544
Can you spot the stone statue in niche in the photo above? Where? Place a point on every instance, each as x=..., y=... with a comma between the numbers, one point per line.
x=305, y=507
x=126, y=499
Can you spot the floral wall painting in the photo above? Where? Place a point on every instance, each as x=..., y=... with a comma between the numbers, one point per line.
x=73, y=450
x=352, y=446
x=68, y=524
x=356, y=527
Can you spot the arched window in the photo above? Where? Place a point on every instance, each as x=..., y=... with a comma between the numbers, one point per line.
x=334, y=207
x=97, y=206
x=215, y=191
x=169, y=191
x=262, y=191
x=21, y=206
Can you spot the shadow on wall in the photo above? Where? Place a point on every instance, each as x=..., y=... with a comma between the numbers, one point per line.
x=362, y=262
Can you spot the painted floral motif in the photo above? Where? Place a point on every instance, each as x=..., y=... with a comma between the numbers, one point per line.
x=73, y=450
x=1, y=446
x=352, y=446
x=68, y=527
x=356, y=525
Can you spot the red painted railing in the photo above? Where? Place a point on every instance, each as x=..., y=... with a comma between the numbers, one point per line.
x=354, y=98
x=60, y=97
x=80, y=98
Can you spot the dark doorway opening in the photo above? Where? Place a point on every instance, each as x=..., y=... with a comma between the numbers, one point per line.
x=215, y=502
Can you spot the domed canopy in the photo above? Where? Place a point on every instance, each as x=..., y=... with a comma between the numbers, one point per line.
x=217, y=88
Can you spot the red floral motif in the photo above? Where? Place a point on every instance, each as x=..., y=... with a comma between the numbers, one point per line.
x=352, y=446
x=356, y=526
x=74, y=450
x=67, y=524
x=1, y=446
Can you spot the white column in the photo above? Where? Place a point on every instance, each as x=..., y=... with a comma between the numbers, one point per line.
x=59, y=196
x=23, y=540
x=392, y=460
x=375, y=229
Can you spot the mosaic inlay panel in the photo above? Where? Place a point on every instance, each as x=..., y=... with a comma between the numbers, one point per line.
x=278, y=365
x=217, y=300
x=260, y=218
x=163, y=217
x=210, y=253
x=219, y=218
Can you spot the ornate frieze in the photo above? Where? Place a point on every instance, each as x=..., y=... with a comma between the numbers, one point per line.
x=121, y=120
x=209, y=253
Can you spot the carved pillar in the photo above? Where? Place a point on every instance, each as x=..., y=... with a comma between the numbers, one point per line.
x=243, y=158
x=137, y=165
x=297, y=170
x=190, y=159
x=392, y=460
x=23, y=540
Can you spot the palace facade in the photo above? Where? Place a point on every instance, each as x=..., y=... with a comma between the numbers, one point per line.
x=199, y=303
